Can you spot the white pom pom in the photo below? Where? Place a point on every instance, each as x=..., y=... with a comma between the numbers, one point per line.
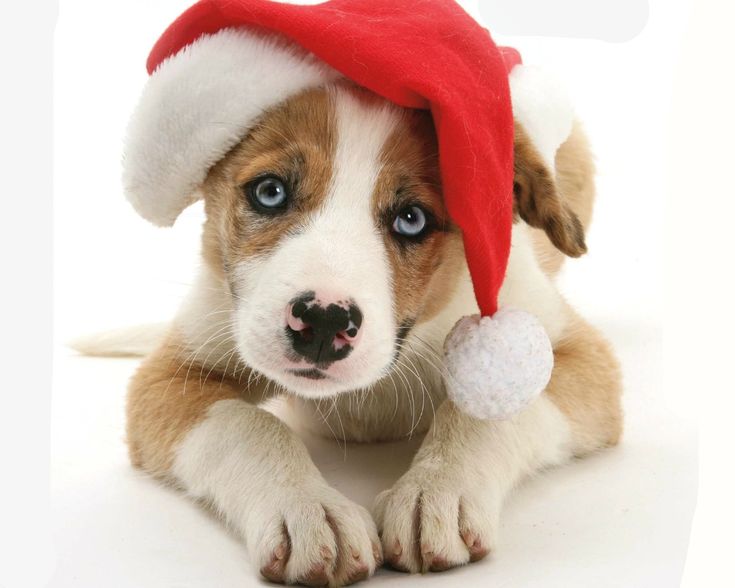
x=497, y=365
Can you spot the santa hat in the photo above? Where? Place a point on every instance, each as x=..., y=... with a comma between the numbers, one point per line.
x=222, y=63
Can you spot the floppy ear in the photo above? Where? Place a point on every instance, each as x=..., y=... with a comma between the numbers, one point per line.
x=537, y=200
x=543, y=121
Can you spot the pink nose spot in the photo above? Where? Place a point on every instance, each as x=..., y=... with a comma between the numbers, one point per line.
x=293, y=322
x=346, y=337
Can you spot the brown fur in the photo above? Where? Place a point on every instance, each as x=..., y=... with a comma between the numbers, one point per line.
x=540, y=202
x=295, y=141
x=167, y=396
x=575, y=179
x=586, y=386
x=586, y=382
x=424, y=273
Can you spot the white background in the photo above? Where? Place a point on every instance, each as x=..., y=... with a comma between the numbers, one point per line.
x=621, y=518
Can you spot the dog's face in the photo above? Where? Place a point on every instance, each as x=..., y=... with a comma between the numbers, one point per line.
x=328, y=224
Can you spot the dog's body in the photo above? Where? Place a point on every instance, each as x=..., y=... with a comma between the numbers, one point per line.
x=193, y=414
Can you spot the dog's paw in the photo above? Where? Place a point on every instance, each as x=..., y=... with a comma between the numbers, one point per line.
x=316, y=537
x=431, y=521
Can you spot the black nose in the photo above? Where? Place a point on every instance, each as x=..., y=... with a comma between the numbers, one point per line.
x=322, y=331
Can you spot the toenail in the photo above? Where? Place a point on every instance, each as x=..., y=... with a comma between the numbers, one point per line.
x=272, y=572
x=359, y=574
x=477, y=552
x=439, y=564
x=317, y=576
x=377, y=554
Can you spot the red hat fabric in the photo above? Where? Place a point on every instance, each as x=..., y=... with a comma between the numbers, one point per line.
x=420, y=54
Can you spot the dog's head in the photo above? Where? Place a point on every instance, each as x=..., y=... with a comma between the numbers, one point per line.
x=328, y=227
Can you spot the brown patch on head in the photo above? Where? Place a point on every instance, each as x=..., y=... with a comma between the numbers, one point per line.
x=295, y=141
x=424, y=269
x=538, y=201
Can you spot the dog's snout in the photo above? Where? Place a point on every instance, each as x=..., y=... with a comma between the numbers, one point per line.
x=323, y=329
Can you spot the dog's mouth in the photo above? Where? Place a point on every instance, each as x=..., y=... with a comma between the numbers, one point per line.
x=321, y=373
x=309, y=374
x=371, y=361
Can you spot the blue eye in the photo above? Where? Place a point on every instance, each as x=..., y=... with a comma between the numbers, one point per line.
x=410, y=222
x=268, y=194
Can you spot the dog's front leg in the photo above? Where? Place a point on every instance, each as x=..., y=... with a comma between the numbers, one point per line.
x=444, y=511
x=201, y=432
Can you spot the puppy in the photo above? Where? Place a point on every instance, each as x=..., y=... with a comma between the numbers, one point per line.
x=331, y=271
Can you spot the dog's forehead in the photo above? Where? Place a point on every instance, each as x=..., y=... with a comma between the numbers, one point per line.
x=364, y=127
x=318, y=126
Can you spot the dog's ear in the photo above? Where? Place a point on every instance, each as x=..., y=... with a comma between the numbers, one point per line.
x=538, y=201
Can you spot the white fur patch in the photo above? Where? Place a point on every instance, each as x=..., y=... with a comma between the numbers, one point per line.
x=338, y=250
x=205, y=322
x=197, y=105
x=258, y=475
x=232, y=455
x=528, y=288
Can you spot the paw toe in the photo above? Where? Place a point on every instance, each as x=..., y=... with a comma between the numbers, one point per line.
x=427, y=527
x=475, y=546
x=394, y=557
x=359, y=573
x=316, y=576
x=377, y=554
x=438, y=563
x=275, y=569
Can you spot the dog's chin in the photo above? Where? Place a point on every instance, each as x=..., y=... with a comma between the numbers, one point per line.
x=312, y=386
x=314, y=383
x=310, y=382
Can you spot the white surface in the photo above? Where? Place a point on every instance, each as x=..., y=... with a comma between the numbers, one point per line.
x=617, y=519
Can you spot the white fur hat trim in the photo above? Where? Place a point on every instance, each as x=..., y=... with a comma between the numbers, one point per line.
x=497, y=365
x=542, y=106
x=198, y=105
